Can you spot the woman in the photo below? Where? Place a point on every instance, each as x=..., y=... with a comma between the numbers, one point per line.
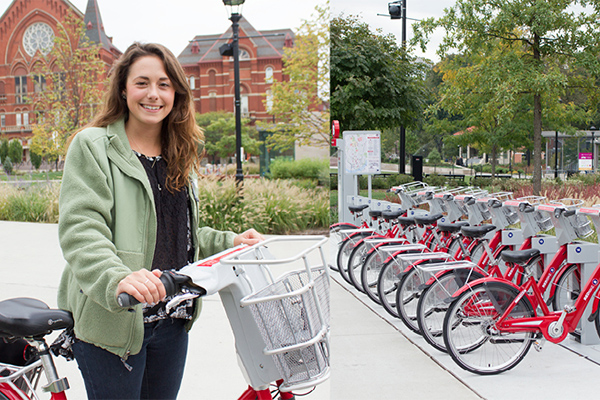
x=128, y=209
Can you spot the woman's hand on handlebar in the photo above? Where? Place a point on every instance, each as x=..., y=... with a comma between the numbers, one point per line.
x=144, y=285
x=249, y=237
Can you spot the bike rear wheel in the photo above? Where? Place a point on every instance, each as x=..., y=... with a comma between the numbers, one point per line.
x=355, y=264
x=345, y=250
x=407, y=298
x=369, y=274
x=387, y=284
x=470, y=335
x=435, y=301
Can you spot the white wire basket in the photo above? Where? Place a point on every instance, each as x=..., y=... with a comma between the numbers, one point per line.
x=292, y=315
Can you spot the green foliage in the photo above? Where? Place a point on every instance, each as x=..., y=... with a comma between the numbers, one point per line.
x=435, y=180
x=36, y=159
x=434, y=157
x=71, y=73
x=3, y=148
x=306, y=168
x=297, y=103
x=481, y=182
x=269, y=206
x=525, y=58
x=7, y=165
x=15, y=151
x=374, y=83
x=219, y=135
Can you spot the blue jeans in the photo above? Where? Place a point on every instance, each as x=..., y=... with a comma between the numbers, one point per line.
x=154, y=373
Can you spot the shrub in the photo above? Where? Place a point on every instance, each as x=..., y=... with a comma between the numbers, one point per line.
x=435, y=180
x=305, y=168
x=481, y=182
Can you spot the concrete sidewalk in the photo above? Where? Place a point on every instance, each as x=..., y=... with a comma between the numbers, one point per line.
x=370, y=358
x=373, y=355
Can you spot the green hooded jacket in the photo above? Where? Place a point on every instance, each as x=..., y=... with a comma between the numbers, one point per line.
x=107, y=229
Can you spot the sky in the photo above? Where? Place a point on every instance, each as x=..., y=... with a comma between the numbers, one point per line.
x=174, y=23
x=417, y=9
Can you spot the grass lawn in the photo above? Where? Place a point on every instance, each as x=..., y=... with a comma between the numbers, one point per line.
x=34, y=176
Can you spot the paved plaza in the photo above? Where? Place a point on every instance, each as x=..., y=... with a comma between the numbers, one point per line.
x=373, y=356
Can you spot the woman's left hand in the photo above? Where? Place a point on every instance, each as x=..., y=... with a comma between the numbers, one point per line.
x=249, y=237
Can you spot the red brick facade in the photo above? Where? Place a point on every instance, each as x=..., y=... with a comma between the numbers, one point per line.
x=212, y=78
x=26, y=29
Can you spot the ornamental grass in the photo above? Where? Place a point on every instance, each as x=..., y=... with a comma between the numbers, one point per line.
x=269, y=206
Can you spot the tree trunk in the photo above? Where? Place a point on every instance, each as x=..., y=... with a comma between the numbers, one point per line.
x=493, y=162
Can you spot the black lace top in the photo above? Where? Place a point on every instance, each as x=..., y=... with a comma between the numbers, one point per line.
x=174, y=247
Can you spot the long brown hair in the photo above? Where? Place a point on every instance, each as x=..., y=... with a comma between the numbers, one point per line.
x=181, y=138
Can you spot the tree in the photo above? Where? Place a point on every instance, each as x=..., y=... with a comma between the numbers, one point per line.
x=7, y=165
x=374, y=83
x=3, y=149
x=475, y=87
x=71, y=81
x=36, y=160
x=553, y=36
x=302, y=102
x=15, y=151
x=219, y=135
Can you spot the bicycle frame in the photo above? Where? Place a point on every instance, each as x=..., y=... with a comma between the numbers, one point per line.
x=554, y=325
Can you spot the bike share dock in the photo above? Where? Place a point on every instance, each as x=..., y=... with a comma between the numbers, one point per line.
x=373, y=355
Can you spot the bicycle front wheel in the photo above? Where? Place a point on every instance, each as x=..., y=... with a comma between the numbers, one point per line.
x=434, y=302
x=470, y=334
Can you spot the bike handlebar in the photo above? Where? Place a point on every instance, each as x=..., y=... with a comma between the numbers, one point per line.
x=171, y=280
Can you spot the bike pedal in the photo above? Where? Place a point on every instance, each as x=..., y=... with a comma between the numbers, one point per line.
x=539, y=344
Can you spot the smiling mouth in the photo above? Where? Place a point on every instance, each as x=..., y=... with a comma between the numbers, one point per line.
x=151, y=108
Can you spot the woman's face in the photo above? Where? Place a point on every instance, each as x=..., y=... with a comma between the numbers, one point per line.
x=150, y=93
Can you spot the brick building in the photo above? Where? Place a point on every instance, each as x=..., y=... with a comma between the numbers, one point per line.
x=27, y=30
x=211, y=75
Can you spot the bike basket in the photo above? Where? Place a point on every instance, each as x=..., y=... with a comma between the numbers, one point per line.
x=543, y=220
x=511, y=215
x=582, y=225
x=293, y=318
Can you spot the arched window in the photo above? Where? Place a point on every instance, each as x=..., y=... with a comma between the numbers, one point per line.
x=269, y=74
x=212, y=78
x=192, y=82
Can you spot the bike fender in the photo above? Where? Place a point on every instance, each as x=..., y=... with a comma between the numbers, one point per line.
x=485, y=279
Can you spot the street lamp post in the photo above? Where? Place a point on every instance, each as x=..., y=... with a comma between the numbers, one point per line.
x=397, y=10
x=232, y=49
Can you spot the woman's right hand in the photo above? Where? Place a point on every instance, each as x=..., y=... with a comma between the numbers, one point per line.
x=144, y=285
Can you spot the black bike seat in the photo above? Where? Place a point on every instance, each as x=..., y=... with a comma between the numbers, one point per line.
x=26, y=317
x=427, y=219
x=519, y=256
x=452, y=227
x=355, y=209
x=387, y=215
x=375, y=213
x=406, y=221
x=477, y=231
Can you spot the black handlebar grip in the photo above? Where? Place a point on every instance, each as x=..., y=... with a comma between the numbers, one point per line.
x=171, y=281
